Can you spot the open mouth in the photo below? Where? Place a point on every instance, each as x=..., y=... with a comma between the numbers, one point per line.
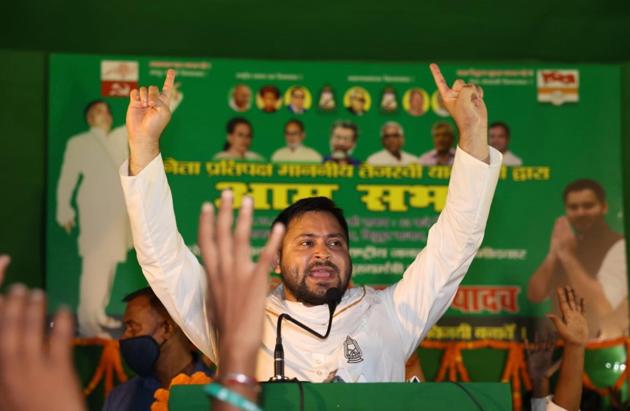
x=322, y=272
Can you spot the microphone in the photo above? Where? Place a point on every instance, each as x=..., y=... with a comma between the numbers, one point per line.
x=333, y=297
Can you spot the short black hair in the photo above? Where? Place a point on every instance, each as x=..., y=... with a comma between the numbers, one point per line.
x=319, y=204
x=232, y=123
x=231, y=126
x=270, y=89
x=346, y=124
x=92, y=103
x=296, y=122
x=154, y=301
x=501, y=124
x=585, y=184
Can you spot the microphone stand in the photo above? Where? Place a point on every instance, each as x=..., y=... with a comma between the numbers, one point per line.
x=333, y=296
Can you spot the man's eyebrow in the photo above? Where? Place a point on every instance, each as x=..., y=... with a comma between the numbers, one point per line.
x=312, y=235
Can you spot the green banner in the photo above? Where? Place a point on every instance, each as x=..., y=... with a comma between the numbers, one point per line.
x=373, y=137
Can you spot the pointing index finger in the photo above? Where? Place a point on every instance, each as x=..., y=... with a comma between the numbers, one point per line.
x=168, y=83
x=439, y=80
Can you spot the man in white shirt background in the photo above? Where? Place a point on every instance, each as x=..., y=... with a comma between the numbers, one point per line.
x=443, y=140
x=91, y=161
x=499, y=137
x=393, y=140
x=295, y=151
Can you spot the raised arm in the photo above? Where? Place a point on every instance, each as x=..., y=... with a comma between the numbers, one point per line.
x=171, y=269
x=429, y=284
x=573, y=329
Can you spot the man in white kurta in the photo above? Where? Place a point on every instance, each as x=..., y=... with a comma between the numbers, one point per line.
x=373, y=332
x=104, y=235
x=393, y=140
x=92, y=160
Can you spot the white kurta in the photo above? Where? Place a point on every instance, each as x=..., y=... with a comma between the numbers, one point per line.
x=103, y=223
x=373, y=332
x=385, y=158
x=301, y=154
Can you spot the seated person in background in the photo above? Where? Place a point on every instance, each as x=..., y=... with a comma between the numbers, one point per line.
x=393, y=140
x=499, y=138
x=155, y=349
x=295, y=151
x=343, y=140
x=443, y=154
x=239, y=139
x=573, y=329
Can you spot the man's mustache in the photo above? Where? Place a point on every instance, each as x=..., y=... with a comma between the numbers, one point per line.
x=319, y=264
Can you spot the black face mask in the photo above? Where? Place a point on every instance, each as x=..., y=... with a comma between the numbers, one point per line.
x=140, y=353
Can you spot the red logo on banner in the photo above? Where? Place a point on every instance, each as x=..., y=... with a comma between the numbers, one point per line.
x=556, y=76
x=118, y=78
x=558, y=86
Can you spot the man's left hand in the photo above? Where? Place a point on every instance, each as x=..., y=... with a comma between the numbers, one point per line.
x=465, y=104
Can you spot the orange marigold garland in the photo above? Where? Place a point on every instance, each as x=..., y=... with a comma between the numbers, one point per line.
x=162, y=394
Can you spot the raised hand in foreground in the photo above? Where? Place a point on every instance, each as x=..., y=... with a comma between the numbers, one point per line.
x=573, y=329
x=36, y=371
x=237, y=288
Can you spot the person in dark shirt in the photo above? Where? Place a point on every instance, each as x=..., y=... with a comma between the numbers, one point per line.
x=155, y=348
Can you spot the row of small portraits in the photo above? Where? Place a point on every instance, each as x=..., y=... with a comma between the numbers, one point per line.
x=356, y=100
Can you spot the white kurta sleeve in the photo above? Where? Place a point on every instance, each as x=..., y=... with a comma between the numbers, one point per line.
x=545, y=404
x=613, y=275
x=429, y=284
x=70, y=173
x=172, y=270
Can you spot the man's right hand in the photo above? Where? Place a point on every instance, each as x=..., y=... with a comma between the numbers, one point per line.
x=147, y=116
x=68, y=226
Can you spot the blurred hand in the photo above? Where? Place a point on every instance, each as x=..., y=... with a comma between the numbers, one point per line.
x=563, y=238
x=539, y=355
x=36, y=372
x=237, y=286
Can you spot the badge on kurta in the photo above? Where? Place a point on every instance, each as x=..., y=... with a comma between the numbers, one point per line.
x=352, y=351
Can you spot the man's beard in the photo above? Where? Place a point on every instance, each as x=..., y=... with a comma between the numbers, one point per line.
x=301, y=291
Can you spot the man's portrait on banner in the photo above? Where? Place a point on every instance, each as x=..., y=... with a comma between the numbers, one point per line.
x=297, y=99
x=240, y=98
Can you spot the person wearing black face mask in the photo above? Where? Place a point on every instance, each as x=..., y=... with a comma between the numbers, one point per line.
x=154, y=348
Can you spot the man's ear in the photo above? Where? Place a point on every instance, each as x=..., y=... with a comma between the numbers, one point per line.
x=169, y=329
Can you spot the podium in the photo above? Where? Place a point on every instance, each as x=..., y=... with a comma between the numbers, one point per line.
x=363, y=396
